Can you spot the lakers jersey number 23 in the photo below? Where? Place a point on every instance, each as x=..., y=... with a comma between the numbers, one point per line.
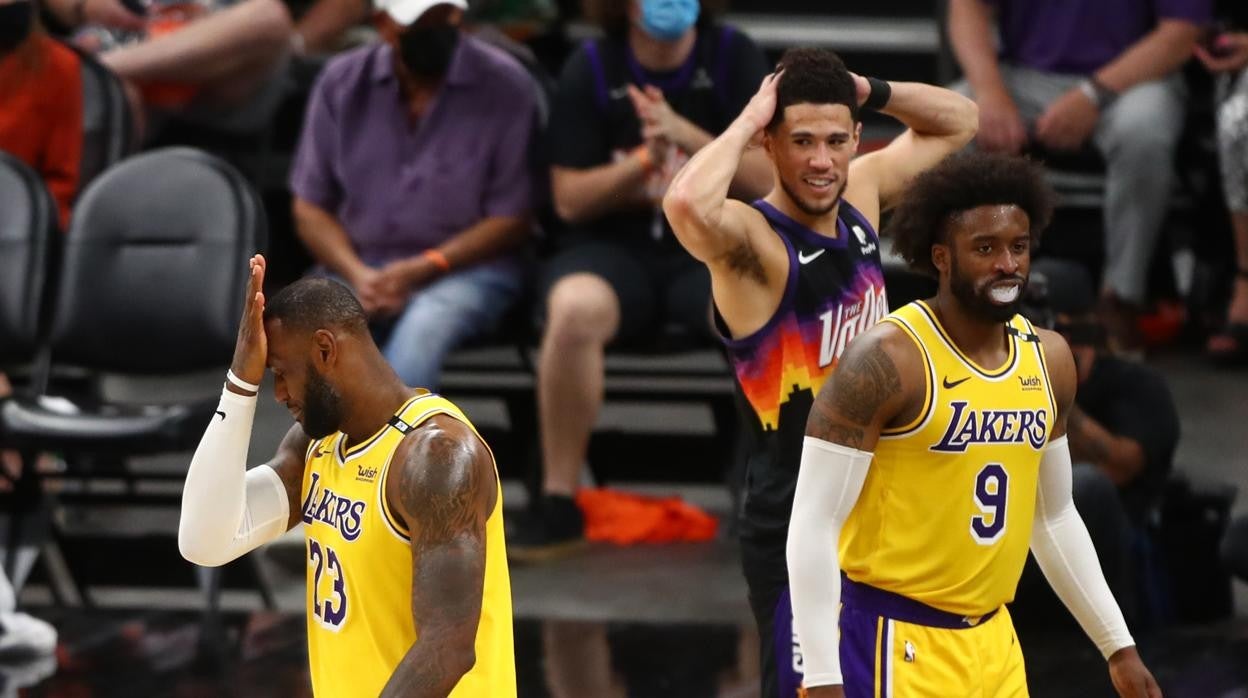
x=359, y=574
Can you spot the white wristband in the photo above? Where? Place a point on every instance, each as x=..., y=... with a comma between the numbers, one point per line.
x=239, y=382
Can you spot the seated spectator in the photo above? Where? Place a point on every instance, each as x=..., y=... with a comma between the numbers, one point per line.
x=630, y=109
x=412, y=181
x=219, y=63
x=1226, y=54
x=1082, y=72
x=1123, y=429
x=41, y=90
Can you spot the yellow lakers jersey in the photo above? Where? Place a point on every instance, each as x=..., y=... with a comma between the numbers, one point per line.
x=945, y=514
x=360, y=569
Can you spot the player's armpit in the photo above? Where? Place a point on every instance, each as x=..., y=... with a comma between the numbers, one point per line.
x=749, y=272
x=710, y=234
x=874, y=382
x=444, y=492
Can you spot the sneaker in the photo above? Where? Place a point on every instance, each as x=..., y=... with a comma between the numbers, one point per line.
x=26, y=672
x=556, y=529
x=25, y=635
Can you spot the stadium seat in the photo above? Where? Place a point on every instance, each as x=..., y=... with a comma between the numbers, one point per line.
x=108, y=125
x=151, y=284
x=27, y=232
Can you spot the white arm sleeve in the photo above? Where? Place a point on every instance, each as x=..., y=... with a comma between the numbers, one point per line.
x=828, y=485
x=227, y=510
x=1064, y=550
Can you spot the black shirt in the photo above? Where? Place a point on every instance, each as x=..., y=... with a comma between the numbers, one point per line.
x=1133, y=401
x=1234, y=12
x=593, y=121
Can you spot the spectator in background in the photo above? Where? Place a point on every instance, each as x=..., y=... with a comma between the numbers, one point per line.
x=1226, y=53
x=629, y=111
x=412, y=181
x=219, y=63
x=1099, y=71
x=41, y=94
x=1123, y=429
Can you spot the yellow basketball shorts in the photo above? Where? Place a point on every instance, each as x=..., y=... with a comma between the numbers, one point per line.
x=895, y=646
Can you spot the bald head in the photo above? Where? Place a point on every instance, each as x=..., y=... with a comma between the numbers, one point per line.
x=315, y=304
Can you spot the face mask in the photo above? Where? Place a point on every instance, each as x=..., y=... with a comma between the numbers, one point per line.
x=668, y=20
x=427, y=51
x=15, y=24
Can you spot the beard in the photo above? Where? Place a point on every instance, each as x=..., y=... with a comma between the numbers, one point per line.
x=977, y=300
x=322, y=407
x=808, y=208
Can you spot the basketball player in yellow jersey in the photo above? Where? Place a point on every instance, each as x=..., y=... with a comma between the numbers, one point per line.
x=936, y=455
x=408, y=591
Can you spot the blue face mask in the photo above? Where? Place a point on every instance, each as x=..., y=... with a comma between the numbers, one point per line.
x=668, y=20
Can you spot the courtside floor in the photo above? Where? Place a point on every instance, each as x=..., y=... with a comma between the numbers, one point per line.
x=641, y=622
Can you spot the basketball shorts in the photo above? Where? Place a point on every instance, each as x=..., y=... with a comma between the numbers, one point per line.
x=895, y=646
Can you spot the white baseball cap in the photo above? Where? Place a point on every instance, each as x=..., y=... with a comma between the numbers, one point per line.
x=407, y=11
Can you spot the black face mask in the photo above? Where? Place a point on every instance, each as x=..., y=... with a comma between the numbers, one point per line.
x=427, y=51
x=15, y=24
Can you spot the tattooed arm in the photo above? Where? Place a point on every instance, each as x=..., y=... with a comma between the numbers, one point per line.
x=445, y=491
x=877, y=382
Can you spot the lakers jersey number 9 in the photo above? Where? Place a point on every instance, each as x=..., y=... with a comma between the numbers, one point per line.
x=945, y=514
x=359, y=572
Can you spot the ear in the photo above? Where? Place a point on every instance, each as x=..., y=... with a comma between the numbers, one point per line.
x=940, y=257
x=324, y=350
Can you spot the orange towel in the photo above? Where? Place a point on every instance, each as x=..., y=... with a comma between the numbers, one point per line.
x=628, y=519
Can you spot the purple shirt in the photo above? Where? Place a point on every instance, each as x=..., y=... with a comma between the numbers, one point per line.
x=399, y=188
x=1080, y=36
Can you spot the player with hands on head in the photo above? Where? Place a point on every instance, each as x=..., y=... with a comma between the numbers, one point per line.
x=408, y=588
x=797, y=274
x=936, y=455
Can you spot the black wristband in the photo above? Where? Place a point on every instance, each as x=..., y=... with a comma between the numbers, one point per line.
x=880, y=93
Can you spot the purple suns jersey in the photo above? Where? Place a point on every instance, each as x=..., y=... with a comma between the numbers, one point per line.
x=835, y=291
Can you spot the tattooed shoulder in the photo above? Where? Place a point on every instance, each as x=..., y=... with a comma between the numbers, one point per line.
x=865, y=379
x=441, y=483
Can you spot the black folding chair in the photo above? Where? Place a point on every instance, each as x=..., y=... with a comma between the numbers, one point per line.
x=152, y=283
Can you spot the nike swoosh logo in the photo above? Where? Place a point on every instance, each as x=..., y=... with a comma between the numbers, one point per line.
x=804, y=259
x=954, y=384
x=222, y=415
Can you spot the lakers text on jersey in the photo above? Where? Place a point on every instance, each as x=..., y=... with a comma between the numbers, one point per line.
x=945, y=514
x=359, y=575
